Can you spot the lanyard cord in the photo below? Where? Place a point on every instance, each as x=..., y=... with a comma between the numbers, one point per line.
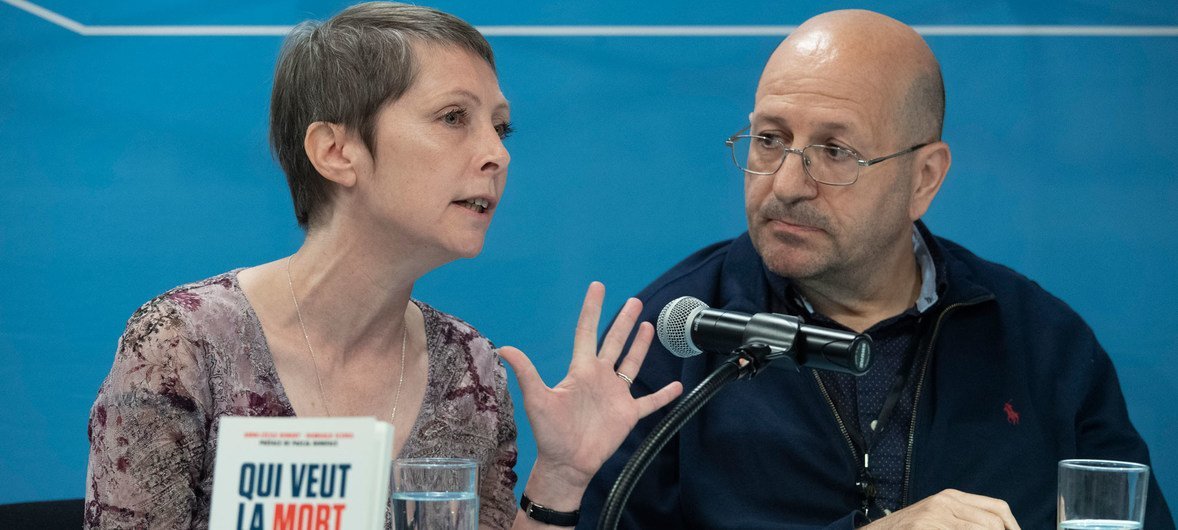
x=865, y=443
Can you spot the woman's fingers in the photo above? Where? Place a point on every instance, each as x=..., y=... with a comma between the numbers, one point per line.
x=585, y=338
x=601, y=362
x=637, y=353
x=615, y=339
x=657, y=400
x=525, y=372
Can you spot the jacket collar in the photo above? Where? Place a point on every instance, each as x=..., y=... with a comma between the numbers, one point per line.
x=957, y=283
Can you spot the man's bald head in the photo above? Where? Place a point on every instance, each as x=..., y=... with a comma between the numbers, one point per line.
x=865, y=47
x=853, y=80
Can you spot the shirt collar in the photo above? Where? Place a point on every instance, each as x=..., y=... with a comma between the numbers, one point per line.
x=928, y=272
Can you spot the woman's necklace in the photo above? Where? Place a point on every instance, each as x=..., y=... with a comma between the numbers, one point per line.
x=315, y=362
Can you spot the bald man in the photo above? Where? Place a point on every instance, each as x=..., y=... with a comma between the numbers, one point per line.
x=982, y=381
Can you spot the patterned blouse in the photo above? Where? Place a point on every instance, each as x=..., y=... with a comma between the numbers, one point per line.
x=197, y=353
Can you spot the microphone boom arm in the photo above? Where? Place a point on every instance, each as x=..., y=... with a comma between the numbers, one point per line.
x=745, y=362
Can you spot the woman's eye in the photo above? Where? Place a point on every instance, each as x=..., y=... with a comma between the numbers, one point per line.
x=454, y=117
x=504, y=130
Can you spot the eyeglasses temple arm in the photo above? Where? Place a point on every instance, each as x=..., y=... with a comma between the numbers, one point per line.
x=866, y=163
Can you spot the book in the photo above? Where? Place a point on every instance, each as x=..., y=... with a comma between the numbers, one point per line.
x=301, y=473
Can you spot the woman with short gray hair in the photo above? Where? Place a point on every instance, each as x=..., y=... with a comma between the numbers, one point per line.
x=389, y=124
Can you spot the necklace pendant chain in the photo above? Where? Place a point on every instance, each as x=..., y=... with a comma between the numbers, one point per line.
x=401, y=378
x=315, y=360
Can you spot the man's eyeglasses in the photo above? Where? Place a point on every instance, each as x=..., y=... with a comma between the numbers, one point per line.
x=826, y=164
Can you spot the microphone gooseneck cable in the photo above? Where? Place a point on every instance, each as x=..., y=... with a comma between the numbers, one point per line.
x=755, y=357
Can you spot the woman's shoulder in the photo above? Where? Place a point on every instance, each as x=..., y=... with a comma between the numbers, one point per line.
x=449, y=329
x=455, y=343
x=163, y=348
x=190, y=313
x=191, y=301
x=201, y=341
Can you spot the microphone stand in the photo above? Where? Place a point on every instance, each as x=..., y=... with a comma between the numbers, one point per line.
x=745, y=362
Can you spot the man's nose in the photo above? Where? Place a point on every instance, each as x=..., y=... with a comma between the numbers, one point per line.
x=792, y=181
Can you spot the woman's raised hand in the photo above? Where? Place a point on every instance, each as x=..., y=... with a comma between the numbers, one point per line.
x=582, y=420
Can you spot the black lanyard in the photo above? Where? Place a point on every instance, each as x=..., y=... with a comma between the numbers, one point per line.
x=889, y=405
x=865, y=443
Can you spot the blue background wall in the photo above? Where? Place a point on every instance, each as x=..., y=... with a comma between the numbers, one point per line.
x=131, y=164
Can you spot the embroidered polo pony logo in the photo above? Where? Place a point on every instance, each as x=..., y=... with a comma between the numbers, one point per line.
x=1012, y=415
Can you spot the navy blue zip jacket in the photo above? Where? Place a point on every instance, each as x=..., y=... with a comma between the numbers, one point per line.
x=1013, y=382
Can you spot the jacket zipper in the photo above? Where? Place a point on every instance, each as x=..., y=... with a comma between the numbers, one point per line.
x=928, y=354
x=837, y=417
x=916, y=401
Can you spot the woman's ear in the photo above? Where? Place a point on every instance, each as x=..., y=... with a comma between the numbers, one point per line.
x=336, y=153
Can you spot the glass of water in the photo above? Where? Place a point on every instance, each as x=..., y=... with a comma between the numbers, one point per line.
x=1102, y=494
x=435, y=493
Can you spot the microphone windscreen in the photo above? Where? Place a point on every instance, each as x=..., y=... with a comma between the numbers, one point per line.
x=672, y=325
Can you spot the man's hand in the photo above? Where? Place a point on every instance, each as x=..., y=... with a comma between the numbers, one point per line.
x=951, y=509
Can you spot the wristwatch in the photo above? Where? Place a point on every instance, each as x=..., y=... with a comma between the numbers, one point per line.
x=538, y=512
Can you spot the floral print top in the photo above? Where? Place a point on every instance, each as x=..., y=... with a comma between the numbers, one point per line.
x=197, y=353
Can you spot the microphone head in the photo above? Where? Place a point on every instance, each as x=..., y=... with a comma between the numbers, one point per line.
x=674, y=323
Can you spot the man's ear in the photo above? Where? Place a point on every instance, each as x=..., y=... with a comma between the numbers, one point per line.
x=931, y=166
x=336, y=154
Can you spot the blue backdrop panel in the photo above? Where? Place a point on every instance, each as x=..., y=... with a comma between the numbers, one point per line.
x=132, y=164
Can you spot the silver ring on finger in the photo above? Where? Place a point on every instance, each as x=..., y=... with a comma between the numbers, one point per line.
x=625, y=378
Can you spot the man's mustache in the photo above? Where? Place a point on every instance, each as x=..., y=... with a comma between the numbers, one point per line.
x=796, y=213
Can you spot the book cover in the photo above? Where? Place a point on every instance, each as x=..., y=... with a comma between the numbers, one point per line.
x=301, y=474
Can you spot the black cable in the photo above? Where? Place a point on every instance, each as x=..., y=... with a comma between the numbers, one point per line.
x=727, y=372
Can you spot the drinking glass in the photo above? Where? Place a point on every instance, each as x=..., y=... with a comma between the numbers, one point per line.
x=1101, y=494
x=435, y=493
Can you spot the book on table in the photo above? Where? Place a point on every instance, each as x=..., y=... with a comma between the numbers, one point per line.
x=297, y=473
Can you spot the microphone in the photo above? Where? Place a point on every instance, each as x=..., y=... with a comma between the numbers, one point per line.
x=688, y=327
